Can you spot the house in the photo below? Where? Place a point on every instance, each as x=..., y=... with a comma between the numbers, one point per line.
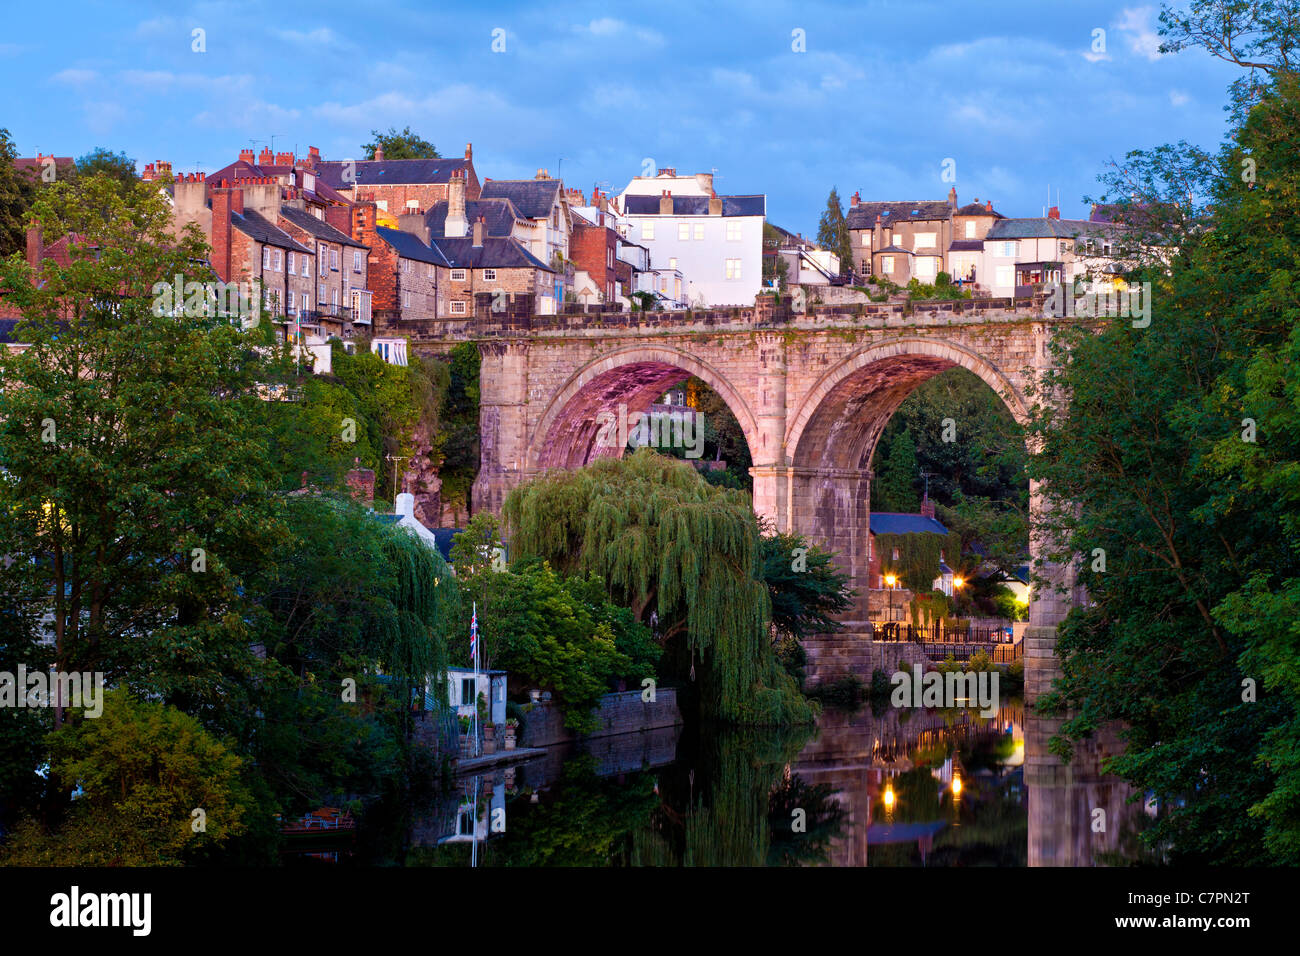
x=714, y=242
x=805, y=262
x=451, y=217
x=343, y=300
x=45, y=169
x=464, y=688
x=1020, y=254
x=895, y=523
x=495, y=274
x=398, y=185
x=542, y=201
x=970, y=224
x=901, y=241
x=594, y=247
x=408, y=277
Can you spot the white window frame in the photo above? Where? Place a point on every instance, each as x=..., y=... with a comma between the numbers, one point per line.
x=457, y=275
x=306, y=266
x=699, y=232
x=489, y=275
x=970, y=228
x=356, y=260
x=458, y=307
x=887, y=265
x=733, y=231
x=266, y=258
x=647, y=230
x=732, y=269
x=279, y=261
x=683, y=232
x=925, y=240
x=293, y=265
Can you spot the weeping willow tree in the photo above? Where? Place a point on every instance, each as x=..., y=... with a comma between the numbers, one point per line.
x=683, y=555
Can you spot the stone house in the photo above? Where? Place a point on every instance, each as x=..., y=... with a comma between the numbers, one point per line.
x=408, y=278
x=901, y=241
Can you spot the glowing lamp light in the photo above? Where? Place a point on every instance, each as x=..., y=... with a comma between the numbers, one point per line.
x=890, y=580
x=958, y=582
x=889, y=798
x=956, y=786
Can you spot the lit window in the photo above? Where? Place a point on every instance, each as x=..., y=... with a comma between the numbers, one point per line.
x=866, y=238
x=672, y=263
x=733, y=268
x=683, y=231
x=323, y=288
x=887, y=264
x=306, y=304
x=926, y=267
x=733, y=231
x=699, y=231
x=291, y=304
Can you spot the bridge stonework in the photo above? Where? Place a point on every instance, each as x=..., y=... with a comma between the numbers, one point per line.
x=812, y=393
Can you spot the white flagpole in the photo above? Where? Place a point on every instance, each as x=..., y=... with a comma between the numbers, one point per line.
x=477, y=749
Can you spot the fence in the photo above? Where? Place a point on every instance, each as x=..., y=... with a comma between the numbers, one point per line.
x=939, y=642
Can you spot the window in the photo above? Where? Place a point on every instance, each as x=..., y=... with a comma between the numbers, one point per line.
x=322, y=251
x=467, y=691
x=887, y=265
x=609, y=258
x=733, y=231
x=1007, y=249
x=489, y=275
x=970, y=228
x=1006, y=275
x=306, y=303
x=699, y=231
x=323, y=287
x=898, y=241
x=334, y=297
x=293, y=269
x=925, y=240
x=334, y=259
x=733, y=268
x=457, y=275
x=458, y=308
x=356, y=260
x=430, y=267
x=926, y=267
x=279, y=261
x=647, y=230
x=683, y=231
x=406, y=300
x=266, y=257
x=672, y=263
x=306, y=267
x=866, y=238
x=406, y=265
x=895, y=554
x=291, y=304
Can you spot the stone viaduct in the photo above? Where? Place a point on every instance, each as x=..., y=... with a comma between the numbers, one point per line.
x=812, y=392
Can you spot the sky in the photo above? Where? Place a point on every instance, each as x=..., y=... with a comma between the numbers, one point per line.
x=1011, y=101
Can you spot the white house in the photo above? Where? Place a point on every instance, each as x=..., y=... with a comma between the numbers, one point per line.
x=464, y=688
x=716, y=242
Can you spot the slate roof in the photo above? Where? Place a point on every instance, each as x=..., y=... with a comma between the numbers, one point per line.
x=977, y=209
x=893, y=522
x=863, y=215
x=255, y=226
x=966, y=245
x=409, y=246
x=373, y=172
x=1047, y=229
x=317, y=227
x=532, y=197
x=499, y=216
x=497, y=252
x=697, y=205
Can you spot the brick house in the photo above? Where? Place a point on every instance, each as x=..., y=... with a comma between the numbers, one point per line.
x=396, y=186
x=594, y=250
x=489, y=272
x=407, y=276
x=901, y=241
x=341, y=268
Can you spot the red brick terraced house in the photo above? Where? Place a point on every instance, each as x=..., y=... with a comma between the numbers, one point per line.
x=397, y=186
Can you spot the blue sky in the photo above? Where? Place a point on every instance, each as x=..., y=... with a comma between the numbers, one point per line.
x=884, y=93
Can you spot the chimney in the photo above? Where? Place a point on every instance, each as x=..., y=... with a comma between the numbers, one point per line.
x=265, y=157
x=414, y=222
x=147, y=175
x=542, y=174
x=361, y=482
x=667, y=171
x=221, y=205
x=340, y=217
x=854, y=200
x=404, y=505
x=379, y=154
x=35, y=244
x=989, y=205
x=478, y=233
x=952, y=196
x=927, y=507
x=469, y=152
x=715, y=205
x=313, y=157
x=284, y=159
x=164, y=169
x=665, y=203
x=246, y=156
x=364, y=217
x=455, y=224
x=1054, y=213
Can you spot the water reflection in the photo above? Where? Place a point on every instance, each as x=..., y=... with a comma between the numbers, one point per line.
x=889, y=788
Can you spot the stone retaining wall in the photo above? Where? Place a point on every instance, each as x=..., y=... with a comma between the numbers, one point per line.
x=621, y=713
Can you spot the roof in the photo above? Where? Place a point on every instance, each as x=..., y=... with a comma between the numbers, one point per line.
x=409, y=246
x=966, y=245
x=893, y=248
x=497, y=252
x=255, y=226
x=499, y=216
x=532, y=197
x=863, y=215
x=697, y=205
x=976, y=209
x=893, y=522
x=317, y=227
x=1047, y=229
x=34, y=166
x=379, y=172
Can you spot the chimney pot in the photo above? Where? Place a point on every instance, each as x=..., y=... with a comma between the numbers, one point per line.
x=379, y=154
x=989, y=205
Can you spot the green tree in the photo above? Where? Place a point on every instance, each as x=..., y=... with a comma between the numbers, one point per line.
x=117, y=166
x=675, y=551
x=457, y=444
x=806, y=588
x=145, y=769
x=403, y=145
x=17, y=191
x=899, y=474
x=1172, y=456
x=833, y=231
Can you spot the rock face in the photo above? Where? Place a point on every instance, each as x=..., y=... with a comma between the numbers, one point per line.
x=421, y=478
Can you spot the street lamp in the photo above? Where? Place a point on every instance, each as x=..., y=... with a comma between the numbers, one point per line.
x=890, y=581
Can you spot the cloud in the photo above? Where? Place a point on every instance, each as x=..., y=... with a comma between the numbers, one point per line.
x=320, y=37
x=1142, y=38
x=609, y=28
x=1179, y=98
x=75, y=77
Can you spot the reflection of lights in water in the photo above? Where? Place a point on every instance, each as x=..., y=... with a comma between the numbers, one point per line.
x=956, y=786
x=889, y=797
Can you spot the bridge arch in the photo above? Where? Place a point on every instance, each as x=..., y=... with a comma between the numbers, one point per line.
x=567, y=431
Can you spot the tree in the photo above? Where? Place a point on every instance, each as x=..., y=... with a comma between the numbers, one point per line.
x=403, y=145
x=833, y=231
x=457, y=443
x=117, y=166
x=805, y=586
x=678, y=553
x=158, y=790
x=1169, y=458
x=16, y=193
x=895, y=488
